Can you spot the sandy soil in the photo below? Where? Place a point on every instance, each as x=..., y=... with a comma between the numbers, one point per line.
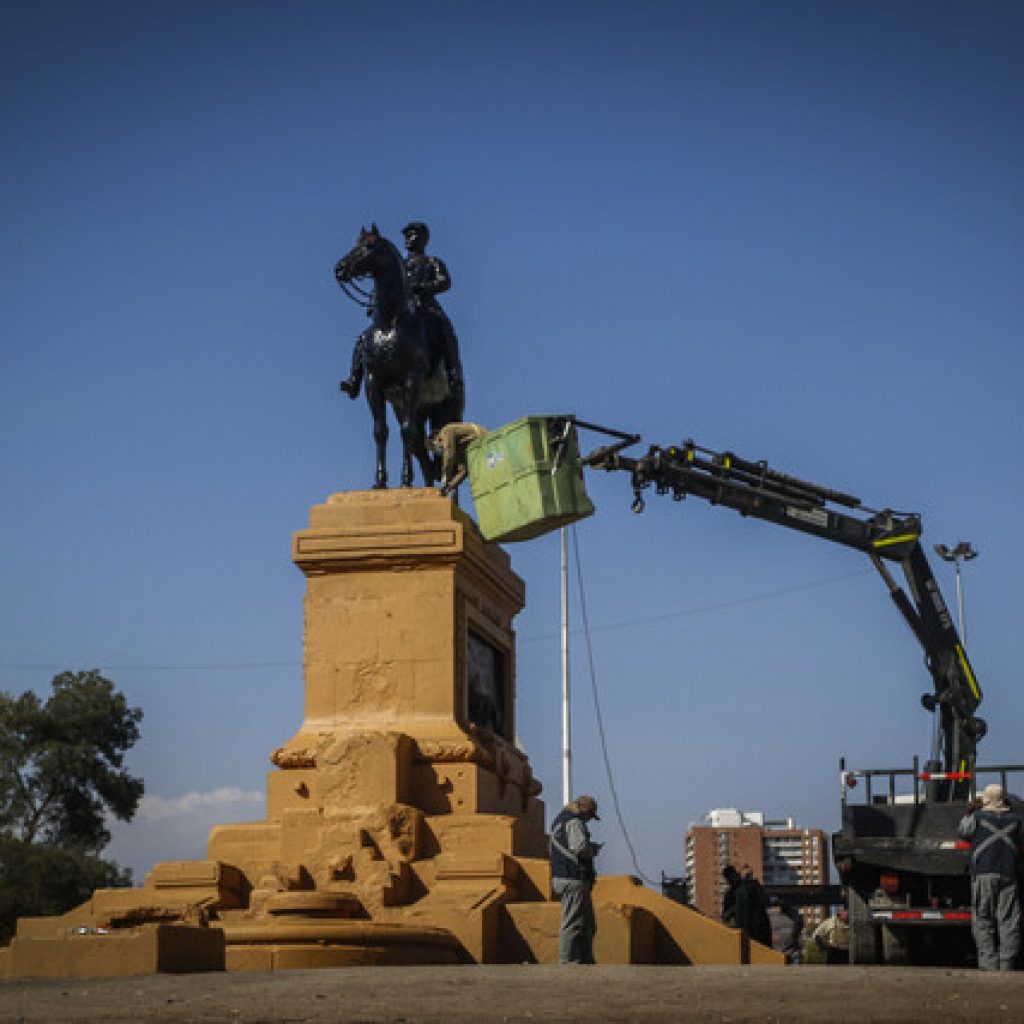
x=528, y=993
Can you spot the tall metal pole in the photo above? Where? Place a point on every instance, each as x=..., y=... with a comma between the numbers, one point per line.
x=961, y=552
x=960, y=605
x=566, y=717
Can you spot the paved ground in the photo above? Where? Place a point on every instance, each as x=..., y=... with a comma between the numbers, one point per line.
x=418, y=995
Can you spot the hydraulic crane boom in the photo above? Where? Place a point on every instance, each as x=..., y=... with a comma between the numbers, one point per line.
x=753, y=489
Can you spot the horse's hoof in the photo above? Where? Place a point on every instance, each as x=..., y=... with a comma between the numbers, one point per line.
x=380, y=485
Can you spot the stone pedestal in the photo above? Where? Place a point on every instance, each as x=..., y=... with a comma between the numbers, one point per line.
x=403, y=785
x=403, y=824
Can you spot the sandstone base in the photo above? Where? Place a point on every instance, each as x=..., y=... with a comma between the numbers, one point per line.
x=403, y=822
x=148, y=949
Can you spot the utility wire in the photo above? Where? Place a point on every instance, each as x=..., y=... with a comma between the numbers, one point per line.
x=233, y=666
x=237, y=666
x=718, y=606
x=600, y=717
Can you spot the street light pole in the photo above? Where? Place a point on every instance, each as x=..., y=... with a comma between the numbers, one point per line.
x=962, y=552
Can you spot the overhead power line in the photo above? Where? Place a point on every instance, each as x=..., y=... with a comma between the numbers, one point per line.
x=232, y=666
x=241, y=666
x=703, y=609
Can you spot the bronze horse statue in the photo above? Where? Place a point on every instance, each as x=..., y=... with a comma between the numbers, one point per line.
x=402, y=360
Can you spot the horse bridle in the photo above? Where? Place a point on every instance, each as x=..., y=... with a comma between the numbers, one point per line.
x=360, y=296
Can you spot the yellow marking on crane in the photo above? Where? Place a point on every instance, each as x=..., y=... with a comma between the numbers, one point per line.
x=901, y=539
x=972, y=682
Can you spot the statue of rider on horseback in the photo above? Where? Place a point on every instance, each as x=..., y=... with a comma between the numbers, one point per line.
x=409, y=355
x=428, y=277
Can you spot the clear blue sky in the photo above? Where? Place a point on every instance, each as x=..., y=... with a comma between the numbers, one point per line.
x=794, y=230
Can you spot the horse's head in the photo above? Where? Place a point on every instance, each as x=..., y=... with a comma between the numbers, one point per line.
x=366, y=257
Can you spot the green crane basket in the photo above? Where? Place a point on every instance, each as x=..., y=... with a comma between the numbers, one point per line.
x=527, y=479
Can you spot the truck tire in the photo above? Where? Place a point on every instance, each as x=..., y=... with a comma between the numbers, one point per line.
x=864, y=937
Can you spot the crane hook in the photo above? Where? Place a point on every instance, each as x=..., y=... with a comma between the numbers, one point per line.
x=638, y=503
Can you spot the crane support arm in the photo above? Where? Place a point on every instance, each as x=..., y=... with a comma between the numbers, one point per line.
x=754, y=489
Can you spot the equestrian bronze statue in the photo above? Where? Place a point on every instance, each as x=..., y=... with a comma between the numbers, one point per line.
x=409, y=355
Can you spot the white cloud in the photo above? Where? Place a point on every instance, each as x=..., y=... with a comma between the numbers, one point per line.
x=177, y=827
x=159, y=808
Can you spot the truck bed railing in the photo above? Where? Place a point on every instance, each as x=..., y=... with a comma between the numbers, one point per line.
x=917, y=785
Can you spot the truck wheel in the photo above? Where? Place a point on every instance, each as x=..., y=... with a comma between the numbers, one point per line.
x=864, y=938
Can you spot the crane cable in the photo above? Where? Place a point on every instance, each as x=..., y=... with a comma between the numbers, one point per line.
x=597, y=711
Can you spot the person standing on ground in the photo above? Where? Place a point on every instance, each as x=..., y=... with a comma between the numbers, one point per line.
x=752, y=908
x=732, y=883
x=832, y=936
x=996, y=836
x=572, y=879
x=745, y=904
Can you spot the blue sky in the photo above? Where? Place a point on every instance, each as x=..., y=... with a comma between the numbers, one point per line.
x=794, y=230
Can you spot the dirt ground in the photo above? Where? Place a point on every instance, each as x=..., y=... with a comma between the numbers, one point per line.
x=418, y=995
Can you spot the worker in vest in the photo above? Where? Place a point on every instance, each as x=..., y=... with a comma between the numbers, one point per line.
x=572, y=879
x=995, y=834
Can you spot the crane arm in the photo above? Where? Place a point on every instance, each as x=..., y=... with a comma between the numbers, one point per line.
x=754, y=489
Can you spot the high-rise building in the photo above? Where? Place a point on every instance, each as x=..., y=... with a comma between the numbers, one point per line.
x=777, y=852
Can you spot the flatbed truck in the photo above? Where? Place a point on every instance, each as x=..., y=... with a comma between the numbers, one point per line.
x=902, y=867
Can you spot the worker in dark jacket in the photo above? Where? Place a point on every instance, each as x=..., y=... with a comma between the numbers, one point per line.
x=745, y=904
x=732, y=883
x=752, y=909
x=996, y=835
x=572, y=879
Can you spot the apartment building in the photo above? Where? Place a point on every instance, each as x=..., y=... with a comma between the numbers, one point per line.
x=776, y=851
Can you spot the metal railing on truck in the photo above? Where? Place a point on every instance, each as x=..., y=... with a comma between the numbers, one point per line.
x=926, y=785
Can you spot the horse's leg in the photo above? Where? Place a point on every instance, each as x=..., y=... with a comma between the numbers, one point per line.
x=411, y=419
x=428, y=465
x=378, y=409
x=400, y=404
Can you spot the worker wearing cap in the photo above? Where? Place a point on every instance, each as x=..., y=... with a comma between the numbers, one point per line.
x=995, y=834
x=572, y=879
x=832, y=936
x=427, y=277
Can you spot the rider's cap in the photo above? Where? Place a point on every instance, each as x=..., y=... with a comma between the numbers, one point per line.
x=418, y=227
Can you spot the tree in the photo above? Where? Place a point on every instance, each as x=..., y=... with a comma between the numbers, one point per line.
x=37, y=879
x=61, y=775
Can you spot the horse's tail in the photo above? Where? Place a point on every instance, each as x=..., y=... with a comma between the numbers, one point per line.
x=449, y=409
